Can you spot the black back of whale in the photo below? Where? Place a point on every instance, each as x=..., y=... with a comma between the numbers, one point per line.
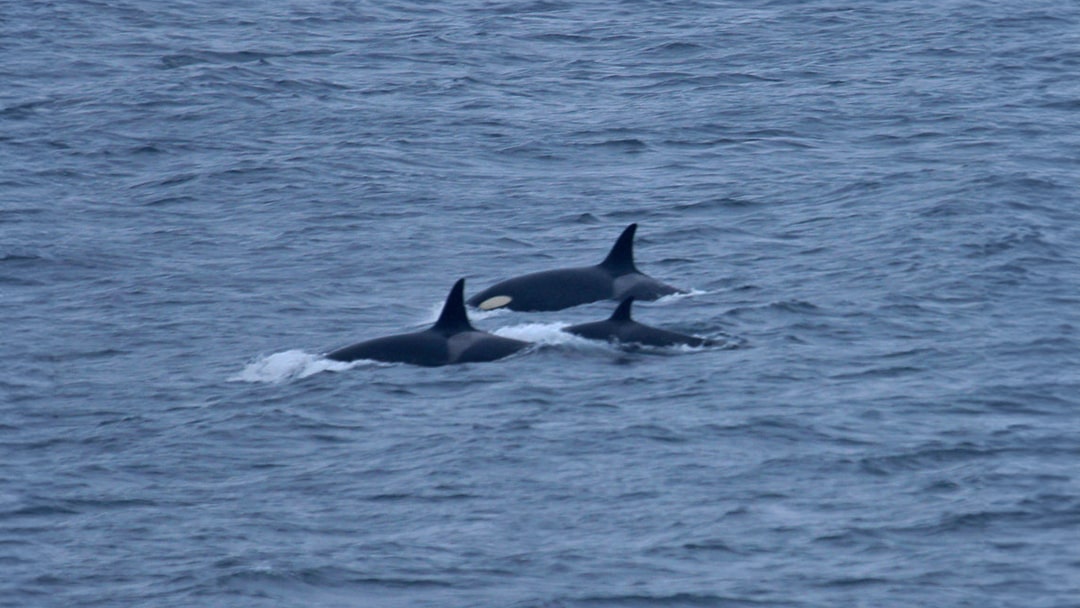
x=452, y=339
x=621, y=328
x=613, y=279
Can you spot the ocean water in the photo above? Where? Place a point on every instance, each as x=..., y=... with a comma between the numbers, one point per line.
x=873, y=204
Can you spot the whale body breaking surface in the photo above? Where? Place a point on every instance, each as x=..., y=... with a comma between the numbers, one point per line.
x=452, y=339
x=615, y=278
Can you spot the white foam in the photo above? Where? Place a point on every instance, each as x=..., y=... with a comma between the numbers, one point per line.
x=538, y=333
x=287, y=365
x=675, y=297
x=476, y=314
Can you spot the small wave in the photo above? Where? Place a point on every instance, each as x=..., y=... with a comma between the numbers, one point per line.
x=626, y=144
x=38, y=510
x=676, y=48
x=22, y=258
x=777, y=306
x=676, y=600
x=194, y=57
x=19, y=281
x=879, y=372
x=718, y=203
x=287, y=365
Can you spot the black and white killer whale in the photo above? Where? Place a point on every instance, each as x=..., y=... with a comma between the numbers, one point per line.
x=623, y=329
x=452, y=339
x=613, y=279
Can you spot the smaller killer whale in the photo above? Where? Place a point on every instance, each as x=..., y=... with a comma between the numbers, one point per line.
x=452, y=339
x=621, y=328
x=613, y=279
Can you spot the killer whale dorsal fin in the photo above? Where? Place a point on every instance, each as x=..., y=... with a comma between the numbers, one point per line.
x=621, y=257
x=622, y=313
x=453, y=317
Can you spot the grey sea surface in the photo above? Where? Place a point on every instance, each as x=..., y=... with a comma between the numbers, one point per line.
x=873, y=206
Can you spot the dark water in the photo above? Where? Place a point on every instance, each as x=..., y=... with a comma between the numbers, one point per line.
x=875, y=204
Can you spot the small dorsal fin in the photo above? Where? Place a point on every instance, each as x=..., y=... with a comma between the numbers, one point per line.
x=453, y=317
x=622, y=313
x=621, y=257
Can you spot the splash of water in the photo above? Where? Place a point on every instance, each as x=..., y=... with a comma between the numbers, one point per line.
x=286, y=366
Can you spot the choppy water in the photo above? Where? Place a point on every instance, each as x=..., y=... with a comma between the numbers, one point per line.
x=874, y=203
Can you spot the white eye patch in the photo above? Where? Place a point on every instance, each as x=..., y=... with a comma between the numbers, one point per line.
x=495, y=302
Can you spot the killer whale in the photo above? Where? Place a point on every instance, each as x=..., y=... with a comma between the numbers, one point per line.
x=621, y=328
x=614, y=278
x=452, y=339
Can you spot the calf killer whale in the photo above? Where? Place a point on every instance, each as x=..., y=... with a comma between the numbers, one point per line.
x=452, y=339
x=613, y=279
x=624, y=330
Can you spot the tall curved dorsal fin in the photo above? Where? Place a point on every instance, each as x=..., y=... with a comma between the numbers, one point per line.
x=622, y=313
x=453, y=318
x=621, y=257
